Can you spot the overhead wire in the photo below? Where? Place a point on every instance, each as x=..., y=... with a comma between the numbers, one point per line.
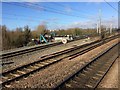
x=59, y=10
x=76, y=10
x=85, y=15
x=20, y=19
x=112, y=6
x=44, y=9
x=39, y=8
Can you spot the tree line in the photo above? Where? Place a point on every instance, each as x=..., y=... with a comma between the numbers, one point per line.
x=16, y=38
x=22, y=36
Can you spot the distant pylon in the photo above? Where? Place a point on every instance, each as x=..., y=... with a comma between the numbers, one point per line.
x=97, y=29
x=110, y=28
x=100, y=21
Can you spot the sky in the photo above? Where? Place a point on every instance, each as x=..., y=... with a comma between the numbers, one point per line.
x=59, y=15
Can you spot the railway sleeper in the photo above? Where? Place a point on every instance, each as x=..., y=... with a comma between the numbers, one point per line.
x=87, y=86
x=86, y=72
x=68, y=85
x=49, y=61
x=29, y=69
x=15, y=74
x=7, y=85
x=24, y=70
x=92, y=81
x=89, y=69
x=99, y=74
x=34, y=67
x=81, y=79
x=8, y=77
x=44, y=63
x=21, y=71
x=39, y=65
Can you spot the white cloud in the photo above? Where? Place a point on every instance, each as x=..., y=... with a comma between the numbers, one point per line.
x=68, y=9
x=90, y=24
x=50, y=20
x=113, y=21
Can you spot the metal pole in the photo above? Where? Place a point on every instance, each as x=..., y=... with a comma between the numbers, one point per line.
x=97, y=29
x=100, y=21
x=111, y=29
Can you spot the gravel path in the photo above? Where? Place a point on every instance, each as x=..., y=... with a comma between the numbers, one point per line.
x=25, y=59
x=111, y=78
x=49, y=77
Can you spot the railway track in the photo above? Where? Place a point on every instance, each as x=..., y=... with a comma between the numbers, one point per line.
x=43, y=62
x=28, y=50
x=91, y=74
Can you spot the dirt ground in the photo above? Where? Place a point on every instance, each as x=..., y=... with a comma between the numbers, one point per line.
x=49, y=77
x=111, y=78
x=25, y=59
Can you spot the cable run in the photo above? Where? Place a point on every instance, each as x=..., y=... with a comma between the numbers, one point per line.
x=112, y=6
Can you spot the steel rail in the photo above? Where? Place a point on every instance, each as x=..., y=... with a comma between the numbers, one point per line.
x=32, y=49
x=76, y=80
x=29, y=49
x=45, y=61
